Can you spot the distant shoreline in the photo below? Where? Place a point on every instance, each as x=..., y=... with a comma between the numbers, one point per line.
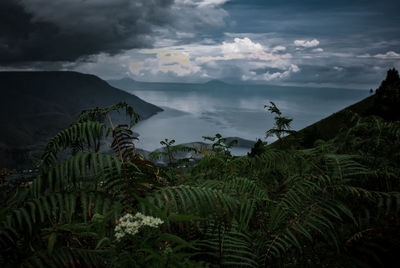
x=242, y=145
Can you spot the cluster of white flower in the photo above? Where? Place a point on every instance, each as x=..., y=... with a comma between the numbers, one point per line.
x=130, y=225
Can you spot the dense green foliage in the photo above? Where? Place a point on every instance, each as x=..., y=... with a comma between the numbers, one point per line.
x=333, y=205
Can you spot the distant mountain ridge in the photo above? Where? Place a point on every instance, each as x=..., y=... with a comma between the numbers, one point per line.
x=35, y=105
x=221, y=87
x=216, y=82
x=130, y=84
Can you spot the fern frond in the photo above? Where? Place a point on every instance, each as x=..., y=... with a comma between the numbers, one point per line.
x=123, y=142
x=199, y=201
x=227, y=246
x=344, y=167
x=98, y=114
x=243, y=189
x=71, y=173
x=67, y=257
x=59, y=208
x=89, y=133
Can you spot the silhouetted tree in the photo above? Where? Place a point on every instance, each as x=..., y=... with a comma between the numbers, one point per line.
x=392, y=81
x=387, y=103
x=257, y=149
x=281, y=126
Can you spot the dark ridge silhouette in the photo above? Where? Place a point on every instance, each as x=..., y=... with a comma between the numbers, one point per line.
x=388, y=97
x=384, y=103
x=35, y=105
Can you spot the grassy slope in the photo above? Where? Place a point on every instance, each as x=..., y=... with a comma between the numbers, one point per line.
x=330, y=126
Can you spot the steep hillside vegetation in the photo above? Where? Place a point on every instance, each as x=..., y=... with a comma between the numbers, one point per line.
x=336, y=204
x=35, y=105
x=384, y=103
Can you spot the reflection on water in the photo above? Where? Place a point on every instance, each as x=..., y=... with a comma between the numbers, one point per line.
x=190, y=114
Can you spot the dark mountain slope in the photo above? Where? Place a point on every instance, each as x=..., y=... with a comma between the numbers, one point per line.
x=330, y=126
x=35, y=105
x=384, y=103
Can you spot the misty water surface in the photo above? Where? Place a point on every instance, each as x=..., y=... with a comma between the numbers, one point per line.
x=190, y=114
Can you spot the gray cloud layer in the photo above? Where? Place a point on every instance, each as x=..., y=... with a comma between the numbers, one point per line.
x=343, y=42
x=64, y=30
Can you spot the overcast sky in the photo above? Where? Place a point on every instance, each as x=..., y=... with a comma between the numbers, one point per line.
x=310, y=42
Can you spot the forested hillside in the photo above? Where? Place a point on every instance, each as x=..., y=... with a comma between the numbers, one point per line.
x=333, y=204
x=36, y=105
x=385, y=104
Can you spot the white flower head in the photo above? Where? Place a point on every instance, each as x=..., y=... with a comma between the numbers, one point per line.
x=130, y=225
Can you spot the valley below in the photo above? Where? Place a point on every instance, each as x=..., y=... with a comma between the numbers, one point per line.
x=191, y=111
x=45, y=102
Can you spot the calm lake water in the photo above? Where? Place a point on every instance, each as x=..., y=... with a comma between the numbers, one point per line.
x=191, y=113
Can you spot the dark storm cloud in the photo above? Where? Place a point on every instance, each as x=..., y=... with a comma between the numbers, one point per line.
x=65, y=30
x=322, y=18
x=318, y=4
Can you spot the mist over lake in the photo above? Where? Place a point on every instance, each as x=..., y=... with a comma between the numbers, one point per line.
x=193, y=110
